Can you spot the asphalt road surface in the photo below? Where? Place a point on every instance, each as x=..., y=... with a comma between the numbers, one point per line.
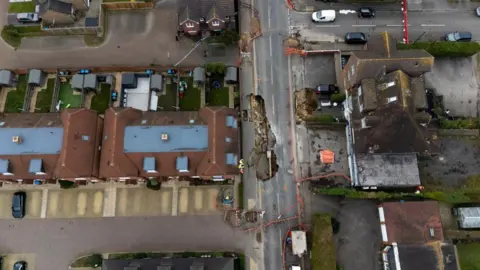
x=57, y=242
x=423, y=26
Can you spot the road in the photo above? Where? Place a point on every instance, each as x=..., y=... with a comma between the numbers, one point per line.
x=423, y=26
x=56, y=242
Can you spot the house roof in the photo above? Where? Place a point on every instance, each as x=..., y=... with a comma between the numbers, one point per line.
x=388, y=170
x=382, y=56
x=203, y=137
x=469, y=217
x=208, y=9
x=36, y=76
x=5, y=76
x=57, y=6
x=433, y=256
x=65, y=143
x=173, y=263
x=412, y=222
x=389, y=122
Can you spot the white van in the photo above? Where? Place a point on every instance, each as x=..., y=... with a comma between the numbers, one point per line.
x=324, y=16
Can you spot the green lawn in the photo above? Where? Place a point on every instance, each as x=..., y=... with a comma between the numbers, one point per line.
x=191, y=97
x=67, y=97
x=469, y=257
x=28, y=30
x=168, y=100
x=101, y=101
x=20, y=7
x=44, y=97
x=15, y=98
x=323, y=250
x=219, y=97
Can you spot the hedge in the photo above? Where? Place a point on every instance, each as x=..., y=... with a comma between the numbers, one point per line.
x=444, y=48
x=323, y=249
x=469, y=123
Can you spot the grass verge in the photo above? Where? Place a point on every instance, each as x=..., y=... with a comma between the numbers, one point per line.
x=68, y=98
x=444, y=48
x=323, y=250
x=101, y=101
x=468, y=256
x=93, y=261
x=15, y=98
x=44, y=97
x=191, y=96
x=21, y=7
x=13, y=35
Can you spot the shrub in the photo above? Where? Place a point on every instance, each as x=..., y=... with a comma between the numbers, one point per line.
x=325, y=119
x=444, y=48
x=92, y=261
x=339, y=98
x=216, y=68
x=470, y=123
x=227, y=37
x=153, y=184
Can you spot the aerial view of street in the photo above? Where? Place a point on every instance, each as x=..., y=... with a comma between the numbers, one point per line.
x=240, y=134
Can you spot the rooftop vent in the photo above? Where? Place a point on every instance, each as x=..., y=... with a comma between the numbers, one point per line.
x=164, y=137
x=2, y=124
x=17, y=139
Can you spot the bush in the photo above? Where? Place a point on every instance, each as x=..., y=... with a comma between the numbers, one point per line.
x=325, y=119
x=470, y=123
x=93, y=261
x=216, y=68
x=67, y=184
x=444, y=48
x=339, y=98
x=153, y=184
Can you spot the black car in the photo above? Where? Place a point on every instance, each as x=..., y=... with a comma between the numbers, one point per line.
x=327, y=89
x=355, y=38
x=20, y=265
x=18, y=204
x=366, y=12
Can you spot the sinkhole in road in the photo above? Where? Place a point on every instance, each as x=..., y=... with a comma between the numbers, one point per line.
x=262, y=156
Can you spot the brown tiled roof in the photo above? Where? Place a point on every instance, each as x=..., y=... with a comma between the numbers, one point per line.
x=77, y=154
x=382, y=56
x=410, y=222
x=115, y=162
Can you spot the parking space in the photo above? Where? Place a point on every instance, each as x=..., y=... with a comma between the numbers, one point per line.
x=197, y=200
x=33, y=203
x=72, y=203
x=143, y=202
x=455, y=79
x=10, y=259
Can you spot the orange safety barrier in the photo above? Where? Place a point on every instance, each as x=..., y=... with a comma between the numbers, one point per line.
x=290, y=51
x=327, y=156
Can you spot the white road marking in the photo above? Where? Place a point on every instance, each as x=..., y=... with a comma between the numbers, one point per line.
x=433, y=25
x=364, y=25
x=270, y=44
x=269, y=18
x=328, y=25
x=271, y=74
x=396, y=25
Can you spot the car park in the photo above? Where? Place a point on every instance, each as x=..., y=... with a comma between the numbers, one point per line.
x=18, y=204
x=366, y=12
x=20, y=265
x=28, y=17
x=459, y=36
x=355, y=38
x=324, y=16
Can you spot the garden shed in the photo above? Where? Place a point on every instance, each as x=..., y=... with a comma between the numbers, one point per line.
x=231, y=75
x=199, y=75
x=77, y=82
x=129, y=80
x=36, y=77
x=90, y=83
x=7, y=77
x=110, y=79
x=156, y=83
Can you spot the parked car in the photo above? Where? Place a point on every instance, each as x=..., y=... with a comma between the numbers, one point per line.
x=18, y=204
x=355, y=38
x=20, y=265
x=28, y=17
x=327, y=89
x=459, y=36
x=324, y=16
x=366, y=12
x=114, y=96
x=323, y=101
x=478, y=11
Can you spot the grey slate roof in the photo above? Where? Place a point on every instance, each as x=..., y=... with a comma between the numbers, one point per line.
x=231, y=75
x=4, y=166
x=36, y=77
x=77, y=81
x=90, y=82
x=33, y=141
x=129, y=80
x=56, y=6
x=388, y=170
x=199, y=74
x=6, y=77
x=427, y=257
x=148, y=139
x=174, y=263
x=182, y=164
x=156, y=82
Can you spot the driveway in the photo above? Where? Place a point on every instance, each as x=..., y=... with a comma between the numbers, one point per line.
x=136, y=38
x=57, y=242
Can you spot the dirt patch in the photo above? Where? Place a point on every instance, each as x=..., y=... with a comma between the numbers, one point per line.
x=305, y=104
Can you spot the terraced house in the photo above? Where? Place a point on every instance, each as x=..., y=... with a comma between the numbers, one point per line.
x=49, y=146
x=201, y=16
